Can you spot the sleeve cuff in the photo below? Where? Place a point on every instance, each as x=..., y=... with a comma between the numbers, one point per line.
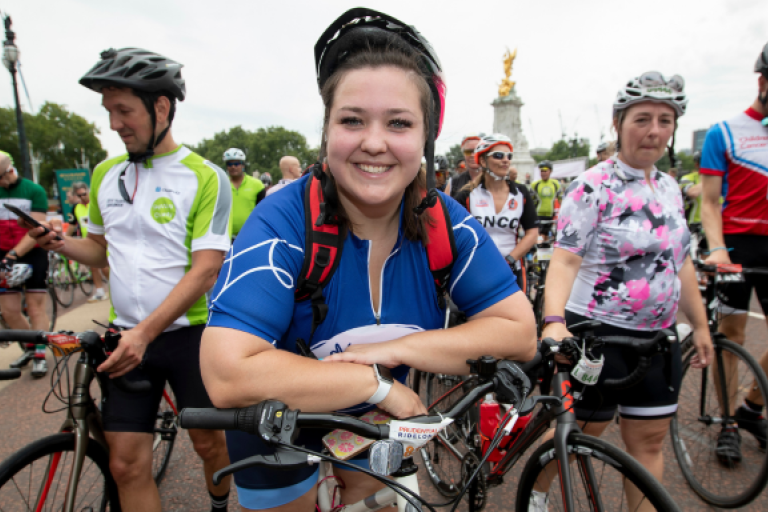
x=95, y=229
x=711, y=172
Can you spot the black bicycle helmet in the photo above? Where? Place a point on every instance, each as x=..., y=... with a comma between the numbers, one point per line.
x=761, y=64
x=138, y=69
x=150, y=75
x=697, y=157
x=545, y=164
x=361, y=28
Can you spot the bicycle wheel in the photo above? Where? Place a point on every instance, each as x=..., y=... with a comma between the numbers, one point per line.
x=36, y=477
x=63, y=283
x=698, y=421
x=166, y=427
x=598, y=473
x=85, y=279
x=443, y=456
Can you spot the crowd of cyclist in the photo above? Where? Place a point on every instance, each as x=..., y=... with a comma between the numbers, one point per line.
x=175, y=224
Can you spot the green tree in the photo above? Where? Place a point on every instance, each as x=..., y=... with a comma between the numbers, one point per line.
x=454, y=155
x=563, y=150
x=263, y=148
x=59, y=137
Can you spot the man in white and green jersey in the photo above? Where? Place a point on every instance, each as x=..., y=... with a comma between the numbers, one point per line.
x=163, y=212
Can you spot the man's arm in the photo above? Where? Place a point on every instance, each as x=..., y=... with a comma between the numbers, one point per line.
x=712, y=217
x=27, y=243
x=200, y=278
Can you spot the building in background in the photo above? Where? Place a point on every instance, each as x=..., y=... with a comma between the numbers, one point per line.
x=698, y=139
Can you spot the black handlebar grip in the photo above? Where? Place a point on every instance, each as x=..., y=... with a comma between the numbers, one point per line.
x=213, y=419
x=11, y=374
x=644, y=364
x=22, y=336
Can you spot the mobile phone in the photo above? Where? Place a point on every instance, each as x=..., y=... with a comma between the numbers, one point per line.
x=28, y=219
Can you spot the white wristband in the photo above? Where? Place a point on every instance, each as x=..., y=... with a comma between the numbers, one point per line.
x=380, y=393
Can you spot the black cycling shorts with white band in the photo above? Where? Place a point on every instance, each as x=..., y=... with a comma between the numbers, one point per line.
x=652, y=398
x=38, y=259
x=751, y=251
x=546, y=229
x=174, y=357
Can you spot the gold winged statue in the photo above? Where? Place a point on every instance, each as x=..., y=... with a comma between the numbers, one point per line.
x=507, y=84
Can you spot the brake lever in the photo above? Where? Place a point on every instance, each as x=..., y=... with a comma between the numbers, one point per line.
x=282, y=459
x=532, y=401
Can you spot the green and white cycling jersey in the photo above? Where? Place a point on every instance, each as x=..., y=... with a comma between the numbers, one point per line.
x=181, y=205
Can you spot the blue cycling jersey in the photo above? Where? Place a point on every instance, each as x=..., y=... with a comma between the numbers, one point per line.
x=255, y=294
x=255, y=290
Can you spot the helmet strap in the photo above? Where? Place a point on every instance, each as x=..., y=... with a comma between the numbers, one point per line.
x=494, y=175
x=671, y=152
x=149, y=104
x=429, y=153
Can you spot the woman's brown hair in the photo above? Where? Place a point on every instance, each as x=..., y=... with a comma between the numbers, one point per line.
x=414, y=226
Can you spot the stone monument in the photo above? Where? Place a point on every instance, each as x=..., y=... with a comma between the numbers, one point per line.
x=506, y=120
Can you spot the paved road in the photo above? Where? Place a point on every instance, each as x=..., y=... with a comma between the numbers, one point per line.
x=22, y=421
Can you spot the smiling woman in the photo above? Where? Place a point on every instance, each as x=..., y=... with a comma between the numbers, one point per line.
x=381, y=85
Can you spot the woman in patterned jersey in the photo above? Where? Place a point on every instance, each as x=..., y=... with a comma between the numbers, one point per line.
x=621, y=257
x=502, y=206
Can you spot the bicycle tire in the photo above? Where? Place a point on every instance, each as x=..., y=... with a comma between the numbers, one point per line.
x=690, y=429
x=166, y=428
x=611, y=492
x=443, y=455
x=25, y=471
x=63, y=283
x=85, y=279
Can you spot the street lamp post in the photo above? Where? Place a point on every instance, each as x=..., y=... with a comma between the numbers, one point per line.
x=10, y=58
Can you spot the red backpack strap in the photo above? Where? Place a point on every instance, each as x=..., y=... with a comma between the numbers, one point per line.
x=324, y=242
x=441, y=249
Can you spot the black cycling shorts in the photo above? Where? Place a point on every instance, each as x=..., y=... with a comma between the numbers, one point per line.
x=38, y=258
x=751, y=251
x=546, y=229
x=174, y=357
x=652, y=398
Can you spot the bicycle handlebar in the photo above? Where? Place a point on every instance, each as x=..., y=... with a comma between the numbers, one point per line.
x=644, y=347
x=728, y=268
x=11, y=374
x=90, y=342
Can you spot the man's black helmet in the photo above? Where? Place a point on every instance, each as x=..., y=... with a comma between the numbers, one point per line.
x=545, y=164
x=761, y=64
x=138, y=69
x=441, y=163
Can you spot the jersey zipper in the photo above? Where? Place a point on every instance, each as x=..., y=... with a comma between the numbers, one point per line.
x=377, y=314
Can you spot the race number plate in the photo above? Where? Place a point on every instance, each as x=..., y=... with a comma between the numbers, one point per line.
x=587, y=371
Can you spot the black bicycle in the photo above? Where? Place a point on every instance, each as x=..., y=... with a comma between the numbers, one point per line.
x=707, y=402
x=69, y=471
x=574, y=471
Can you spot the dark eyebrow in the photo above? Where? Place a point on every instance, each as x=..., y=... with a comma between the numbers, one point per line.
x=391, y=111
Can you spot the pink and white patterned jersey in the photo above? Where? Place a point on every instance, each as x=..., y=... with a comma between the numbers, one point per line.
x=633, y=241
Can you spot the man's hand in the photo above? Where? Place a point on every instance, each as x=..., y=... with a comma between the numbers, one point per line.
x=46, y=241
x=128, y=355
x=719, y=256
x=704, y=350
x=402, y=402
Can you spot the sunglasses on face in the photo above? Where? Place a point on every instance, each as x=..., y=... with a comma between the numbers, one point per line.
x=83, y=195
x=234, y=164
x=468, y=152
x=499, y=155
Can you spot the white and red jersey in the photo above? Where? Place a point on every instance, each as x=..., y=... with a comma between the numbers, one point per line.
x=737, y=150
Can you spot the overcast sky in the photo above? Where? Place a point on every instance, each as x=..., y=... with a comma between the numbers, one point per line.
x=250, y=62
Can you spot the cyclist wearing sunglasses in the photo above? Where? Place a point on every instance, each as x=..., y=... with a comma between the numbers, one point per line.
x=468, y=145
x=247, y=191
x=383, y=93
x=501, y=205
x=164, y=213
x=737, y=228
x=547, y=192
x=622, y=257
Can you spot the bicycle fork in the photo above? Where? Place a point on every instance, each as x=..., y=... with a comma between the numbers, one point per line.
x=566, y=425
x=77, y=423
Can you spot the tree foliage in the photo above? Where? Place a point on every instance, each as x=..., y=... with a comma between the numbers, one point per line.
x=454, y=155
x=263, y=148
x=564, y=149
x=59, y=137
